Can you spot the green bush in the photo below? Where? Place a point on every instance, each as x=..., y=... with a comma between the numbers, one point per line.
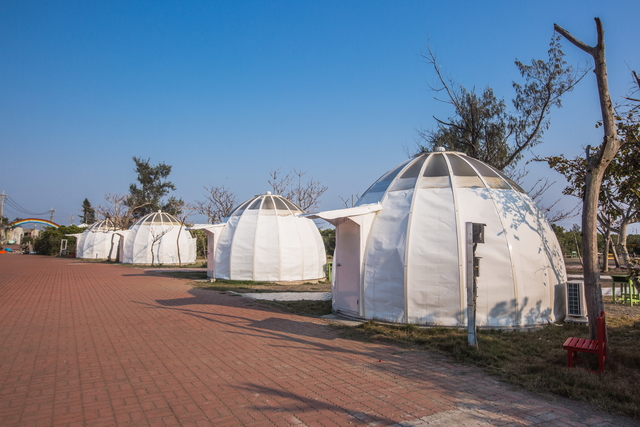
x=48, y=242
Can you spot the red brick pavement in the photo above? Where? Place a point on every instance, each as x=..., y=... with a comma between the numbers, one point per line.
x=85, y=344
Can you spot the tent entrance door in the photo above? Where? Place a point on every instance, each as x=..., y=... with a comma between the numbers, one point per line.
x=347, y=267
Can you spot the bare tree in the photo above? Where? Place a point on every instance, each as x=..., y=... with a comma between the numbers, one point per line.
x=118, y=211
x=305, y=195
x=597, y=162
x=186, y=210
x=156, y=235
x=218, y=203
x=537, y=192
x=350, y=201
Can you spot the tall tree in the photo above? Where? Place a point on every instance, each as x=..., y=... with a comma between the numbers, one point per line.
x=147, y=196
x=88, y=212
x=482, y=127
x=597, y=161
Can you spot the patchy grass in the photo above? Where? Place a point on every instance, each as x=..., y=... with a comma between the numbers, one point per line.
x=535, y=360
x=190, y=275
x=243, y=286
x=302, y=308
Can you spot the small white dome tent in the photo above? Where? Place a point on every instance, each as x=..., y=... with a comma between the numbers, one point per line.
x=99, y=241
x=265, y=239
x=401, y=251
x=157, y=238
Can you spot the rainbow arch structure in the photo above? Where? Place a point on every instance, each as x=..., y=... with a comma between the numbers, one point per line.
x=34, y=220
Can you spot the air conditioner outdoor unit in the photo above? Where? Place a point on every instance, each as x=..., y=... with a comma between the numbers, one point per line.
x=576, y=303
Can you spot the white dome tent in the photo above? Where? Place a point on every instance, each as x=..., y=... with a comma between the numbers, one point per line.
x=265, y=239
x=157, y=238
x=401, y=251
x=99, y=241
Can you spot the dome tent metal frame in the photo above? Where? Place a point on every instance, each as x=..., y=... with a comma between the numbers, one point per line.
x=400, y=252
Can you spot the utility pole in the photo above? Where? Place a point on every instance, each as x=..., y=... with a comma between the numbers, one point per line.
x=2, y=225
x=2, y=197
x=51, y=211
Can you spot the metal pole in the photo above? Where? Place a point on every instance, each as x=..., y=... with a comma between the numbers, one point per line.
x=471, y=288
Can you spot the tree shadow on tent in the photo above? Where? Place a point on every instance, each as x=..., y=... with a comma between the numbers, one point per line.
x=508, y=310
x=516, y=212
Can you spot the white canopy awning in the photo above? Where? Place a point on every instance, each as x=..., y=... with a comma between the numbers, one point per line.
x=333, y=216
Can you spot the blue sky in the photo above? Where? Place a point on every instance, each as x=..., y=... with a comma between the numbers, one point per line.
x=225, y=92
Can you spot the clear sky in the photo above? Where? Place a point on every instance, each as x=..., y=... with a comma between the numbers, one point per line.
x=225, y=92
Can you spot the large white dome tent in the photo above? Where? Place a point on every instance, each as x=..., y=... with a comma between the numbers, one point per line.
x=400, y=252
x=265, y=239
x=98, y=241
x=157, y=238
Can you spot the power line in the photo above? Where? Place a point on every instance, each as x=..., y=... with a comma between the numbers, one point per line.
x=15, y=206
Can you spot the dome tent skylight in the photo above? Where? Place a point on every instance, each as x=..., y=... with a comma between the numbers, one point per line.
x=265, y=239
x=157, y=238
x=400, y=252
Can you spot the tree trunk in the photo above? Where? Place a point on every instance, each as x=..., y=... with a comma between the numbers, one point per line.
x=616, y=260
x=622, y=243
x=178, y=244
x=604, y=268
x=596, y=165
x=592, y=287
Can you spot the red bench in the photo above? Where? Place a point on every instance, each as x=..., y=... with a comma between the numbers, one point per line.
x=599, y=346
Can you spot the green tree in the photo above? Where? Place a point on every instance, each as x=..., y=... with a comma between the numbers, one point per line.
x=482, y=128
x=88, y=212
x=147, y=195
x=329, y=240
x=48, y=242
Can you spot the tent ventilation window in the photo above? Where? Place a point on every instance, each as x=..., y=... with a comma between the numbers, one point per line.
x=268, y=203
x=255, y=205
x=437, y=167
x=490, y=176
x=280, y=204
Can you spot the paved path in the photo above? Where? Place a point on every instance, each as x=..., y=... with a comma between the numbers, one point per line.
x=85, y=344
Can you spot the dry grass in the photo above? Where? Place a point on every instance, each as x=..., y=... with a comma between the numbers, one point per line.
x=535, y=360
x=249, y=286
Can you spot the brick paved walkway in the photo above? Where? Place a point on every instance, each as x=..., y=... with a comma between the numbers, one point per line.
x=102, y=345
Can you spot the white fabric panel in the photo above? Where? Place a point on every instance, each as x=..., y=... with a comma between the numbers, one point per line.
x=433, y=273
x=315, y=256
x=496, y=303
x=242, y=248
x=291, y=256
x=535, y=278
x=223, y=249
x=267, y=247
x=385, y=258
